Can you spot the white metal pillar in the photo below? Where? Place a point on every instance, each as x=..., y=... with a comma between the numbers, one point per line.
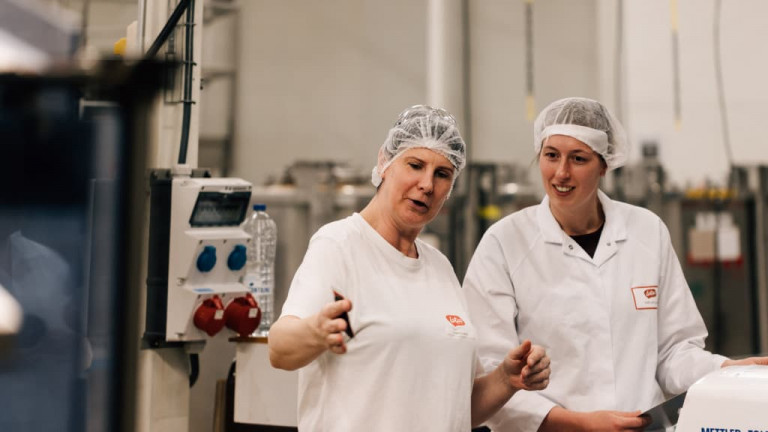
x=162, y=393
x=445, y=57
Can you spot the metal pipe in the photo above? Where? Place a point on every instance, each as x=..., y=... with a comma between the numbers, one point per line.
x=445, y=57
x=761, y=257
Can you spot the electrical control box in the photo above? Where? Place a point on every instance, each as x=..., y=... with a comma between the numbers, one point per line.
x=197, y=256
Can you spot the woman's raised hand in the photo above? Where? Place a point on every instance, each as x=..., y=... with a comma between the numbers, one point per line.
x=527, y=367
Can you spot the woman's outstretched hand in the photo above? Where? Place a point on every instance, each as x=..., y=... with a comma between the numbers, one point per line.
x=294, y=342
x=527, y=367
x=328, y=327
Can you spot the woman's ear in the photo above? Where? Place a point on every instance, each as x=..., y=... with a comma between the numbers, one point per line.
x=381, y=163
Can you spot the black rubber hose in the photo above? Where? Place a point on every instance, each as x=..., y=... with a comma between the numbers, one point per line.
x=187, y=83
x=168, y=28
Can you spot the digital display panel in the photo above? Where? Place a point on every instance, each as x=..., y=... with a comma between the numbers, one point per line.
x=220, y=209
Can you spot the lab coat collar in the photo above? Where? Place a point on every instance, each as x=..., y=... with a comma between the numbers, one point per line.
x=614, y=230
x=550, y=228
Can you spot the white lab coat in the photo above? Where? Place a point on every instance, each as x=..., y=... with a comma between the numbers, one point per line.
x=621, y=328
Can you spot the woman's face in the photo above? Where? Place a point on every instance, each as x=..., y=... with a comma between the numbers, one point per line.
x=416, y=185
x=571, y=173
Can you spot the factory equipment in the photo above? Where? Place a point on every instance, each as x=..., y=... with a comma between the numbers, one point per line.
x=712, y=233
x=719, y=264
x=643, y=183
x=196, y=259
x=494, y=190
x=500, y=190
x=731, y=399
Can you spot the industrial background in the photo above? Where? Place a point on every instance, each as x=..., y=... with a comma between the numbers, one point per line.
x=294, y=98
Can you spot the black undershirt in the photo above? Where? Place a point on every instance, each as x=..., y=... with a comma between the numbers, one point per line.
x=589, y=242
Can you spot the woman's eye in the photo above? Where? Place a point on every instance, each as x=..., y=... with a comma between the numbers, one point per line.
x=414, y=165
x=580, y=159
x=444, y=174
x=550, y=155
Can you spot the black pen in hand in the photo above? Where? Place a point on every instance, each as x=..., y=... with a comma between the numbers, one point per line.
x=344, y=315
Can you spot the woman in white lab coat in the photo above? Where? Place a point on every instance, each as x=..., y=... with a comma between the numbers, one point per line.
x=410, y=362
x=594, y=280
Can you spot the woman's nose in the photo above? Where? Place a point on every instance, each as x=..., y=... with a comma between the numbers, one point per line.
x=563, y=170
x=425, y=183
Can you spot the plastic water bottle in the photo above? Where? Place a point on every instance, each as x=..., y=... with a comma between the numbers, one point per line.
x=260, y=265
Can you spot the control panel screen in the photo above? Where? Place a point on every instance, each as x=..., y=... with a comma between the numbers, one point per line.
x=220, y=209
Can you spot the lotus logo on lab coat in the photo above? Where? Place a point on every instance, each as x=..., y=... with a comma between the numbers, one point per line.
x=650, y=293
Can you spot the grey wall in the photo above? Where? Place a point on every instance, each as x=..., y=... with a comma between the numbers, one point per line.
x=564, y=64
x=324, y=80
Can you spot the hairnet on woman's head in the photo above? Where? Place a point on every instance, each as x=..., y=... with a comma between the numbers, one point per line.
x=589, y=122
x=422, y=126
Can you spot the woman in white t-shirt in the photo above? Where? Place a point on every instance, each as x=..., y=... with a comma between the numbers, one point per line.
x=404, y=357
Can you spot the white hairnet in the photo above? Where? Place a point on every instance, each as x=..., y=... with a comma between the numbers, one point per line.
x=589, y=122
x=422, y=126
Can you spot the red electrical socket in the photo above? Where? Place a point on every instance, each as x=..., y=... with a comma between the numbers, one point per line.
x=243, y=315
x=209, y=316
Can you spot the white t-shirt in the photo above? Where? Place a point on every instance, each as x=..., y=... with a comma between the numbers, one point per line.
x=411, y=364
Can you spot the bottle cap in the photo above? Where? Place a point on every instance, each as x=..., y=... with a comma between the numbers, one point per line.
x=259, y=207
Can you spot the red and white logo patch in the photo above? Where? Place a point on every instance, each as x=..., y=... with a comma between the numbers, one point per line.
x=646, y=297
x=455, y=320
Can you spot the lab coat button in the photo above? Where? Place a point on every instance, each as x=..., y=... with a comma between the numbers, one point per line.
x=609, y=243
x=570, y=246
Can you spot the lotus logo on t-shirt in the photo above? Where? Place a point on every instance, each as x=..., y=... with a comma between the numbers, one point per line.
x=455, y=320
